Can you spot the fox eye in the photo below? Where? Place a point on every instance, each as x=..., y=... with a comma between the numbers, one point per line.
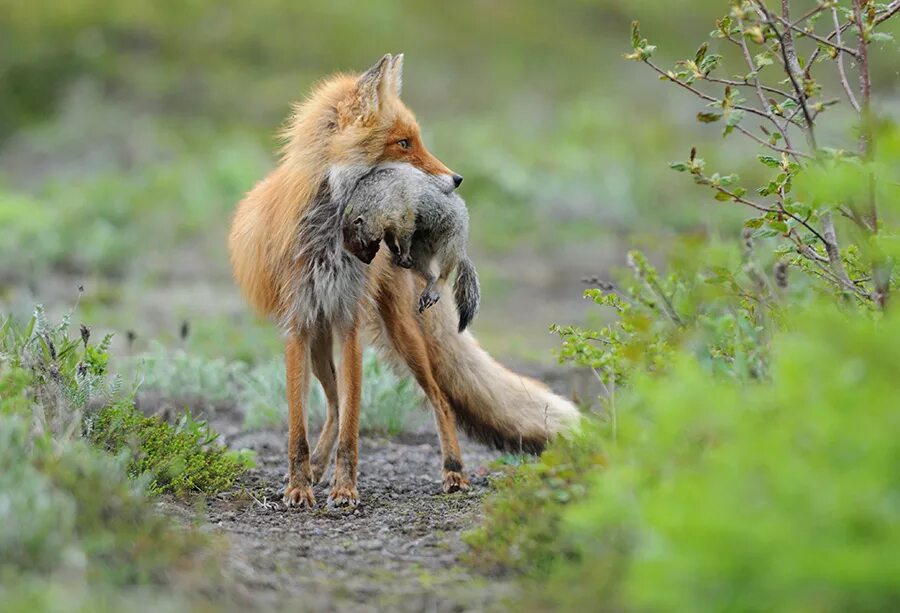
x=357, y=221
x=404, y=144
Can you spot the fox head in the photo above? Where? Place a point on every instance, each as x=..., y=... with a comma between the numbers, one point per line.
x=361, y=120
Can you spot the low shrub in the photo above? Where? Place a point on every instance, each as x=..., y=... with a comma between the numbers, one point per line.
x=750, y=497
x=181, y=458
x=73, y=508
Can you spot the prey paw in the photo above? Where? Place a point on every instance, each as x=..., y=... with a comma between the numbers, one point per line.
x=299, y=496
x=428, y=299
x=454, y=482
x=343, y=496
x=404, y=261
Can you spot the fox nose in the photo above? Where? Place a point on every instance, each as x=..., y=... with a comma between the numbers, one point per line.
x=457, y=180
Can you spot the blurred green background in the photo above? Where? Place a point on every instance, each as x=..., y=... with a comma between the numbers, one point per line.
x=129, y=130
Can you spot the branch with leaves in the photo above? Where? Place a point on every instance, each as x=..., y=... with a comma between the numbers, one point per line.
x=782, y=57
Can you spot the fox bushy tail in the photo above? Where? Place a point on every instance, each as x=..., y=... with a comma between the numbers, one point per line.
x=490, y=402
x=467, y=292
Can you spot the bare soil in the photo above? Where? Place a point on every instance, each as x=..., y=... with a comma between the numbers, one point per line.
x=399, y=550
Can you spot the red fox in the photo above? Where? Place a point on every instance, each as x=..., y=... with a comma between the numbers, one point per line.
x=288, y=259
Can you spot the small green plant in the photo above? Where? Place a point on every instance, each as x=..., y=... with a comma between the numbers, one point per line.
x=181, y=458
x=522, y=527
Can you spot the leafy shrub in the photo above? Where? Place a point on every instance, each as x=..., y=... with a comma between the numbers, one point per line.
x=71, y=507
x=746, y=455
x=181, y=458
x=514, y=536
x=722, y=495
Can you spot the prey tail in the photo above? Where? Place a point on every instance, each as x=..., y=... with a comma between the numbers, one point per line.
x=467, y=292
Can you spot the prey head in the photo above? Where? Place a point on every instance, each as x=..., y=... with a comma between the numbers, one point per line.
x=361, y=238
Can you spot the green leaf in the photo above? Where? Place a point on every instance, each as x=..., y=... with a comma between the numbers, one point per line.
x=769, y=161
x=679, y=166
x=881, y=37
x=722, y=196
x=755, y=222
x=778, y=226
x=707, y=117
x=701, y=53
x=636, y=34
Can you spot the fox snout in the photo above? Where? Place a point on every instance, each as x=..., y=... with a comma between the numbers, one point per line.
x=448, y=182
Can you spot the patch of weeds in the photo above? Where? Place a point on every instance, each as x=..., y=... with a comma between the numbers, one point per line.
x=523, y=518
x=389, y=402
x=180, y=458
x=186, y=378
x=69, y=508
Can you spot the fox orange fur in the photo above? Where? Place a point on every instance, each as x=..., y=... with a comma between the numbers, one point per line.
x=285, y=262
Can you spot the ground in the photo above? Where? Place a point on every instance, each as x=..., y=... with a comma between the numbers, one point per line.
x=399, y=550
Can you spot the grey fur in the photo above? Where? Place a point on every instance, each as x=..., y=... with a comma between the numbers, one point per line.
x=425, y=227
x=331, y=284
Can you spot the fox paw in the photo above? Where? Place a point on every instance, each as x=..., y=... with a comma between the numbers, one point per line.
x=454, y=482
x=343, y=496
x=428, y=299
x=299, y=496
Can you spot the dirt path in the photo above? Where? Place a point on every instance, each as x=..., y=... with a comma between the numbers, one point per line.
x=399, y=550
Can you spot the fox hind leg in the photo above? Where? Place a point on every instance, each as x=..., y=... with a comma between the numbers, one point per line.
x=407, y=338
x=323, y=368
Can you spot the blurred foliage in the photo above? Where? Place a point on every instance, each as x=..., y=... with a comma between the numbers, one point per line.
x=719, y=494
x=742, y=459
x=75, y=511
x=73, y=508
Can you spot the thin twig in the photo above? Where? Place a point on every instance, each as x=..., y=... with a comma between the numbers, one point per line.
x=887, y=13
x=834, y=254
x=765, y=143
x=840, y=62
x=735, y=83
x=825, y=41
x=700, y=94
x=789, y=54
x=759, y=91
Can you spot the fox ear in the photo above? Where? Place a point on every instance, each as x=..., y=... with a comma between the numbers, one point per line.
x=370, y=88
x=396, y=73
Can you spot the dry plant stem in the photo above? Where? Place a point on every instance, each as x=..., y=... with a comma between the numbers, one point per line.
x=834, y=254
